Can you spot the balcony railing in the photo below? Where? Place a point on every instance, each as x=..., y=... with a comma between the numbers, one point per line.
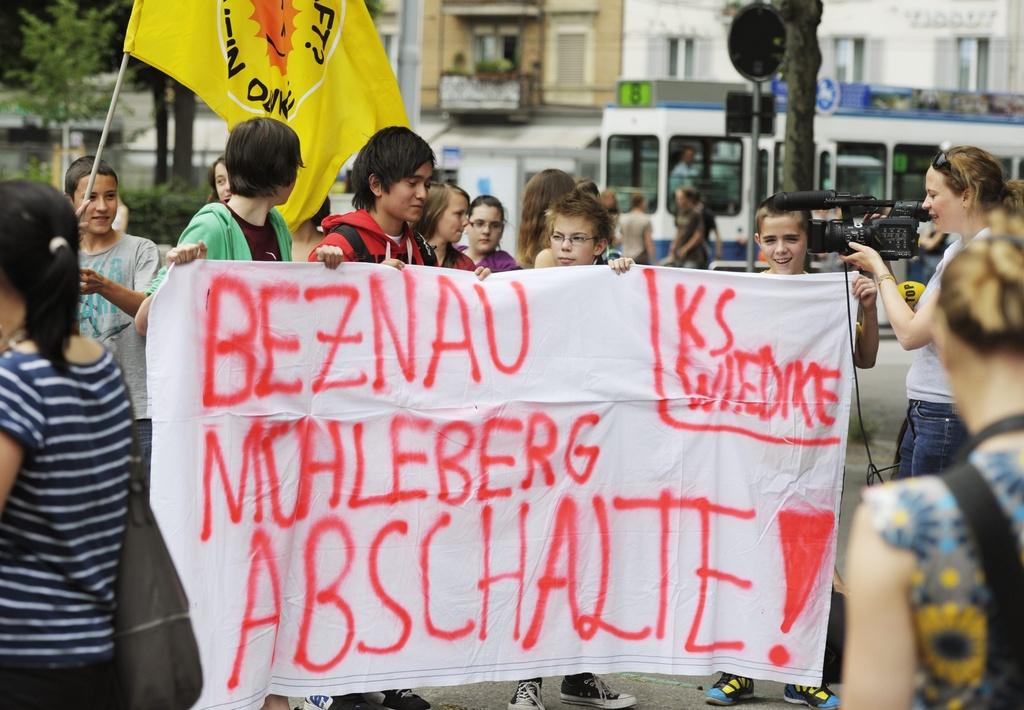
x=479, y=94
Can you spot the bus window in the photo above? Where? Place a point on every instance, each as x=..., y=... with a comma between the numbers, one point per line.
x=780, y=157
x=712, y=165
x=909, y=164
x=860, y=168
x=762, y=175
x=633, y=167
x=825, y=170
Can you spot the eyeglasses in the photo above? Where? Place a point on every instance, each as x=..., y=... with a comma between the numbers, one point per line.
x=481, y=224
x=941, y=162
x=575, y=239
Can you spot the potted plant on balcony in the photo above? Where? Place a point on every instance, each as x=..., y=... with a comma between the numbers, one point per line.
x=458, y=67
x=499, y=69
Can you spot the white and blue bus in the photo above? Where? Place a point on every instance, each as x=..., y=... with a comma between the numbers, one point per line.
x=878, y=141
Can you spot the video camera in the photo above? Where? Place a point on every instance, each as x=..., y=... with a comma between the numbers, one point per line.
x=893, y=237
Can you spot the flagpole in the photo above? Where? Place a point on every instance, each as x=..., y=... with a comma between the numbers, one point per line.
x=106, y=125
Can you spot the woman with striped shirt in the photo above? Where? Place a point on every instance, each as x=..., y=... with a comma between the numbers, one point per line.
x=65, y=440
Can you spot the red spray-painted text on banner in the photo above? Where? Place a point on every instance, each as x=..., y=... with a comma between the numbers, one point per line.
x=546, y=472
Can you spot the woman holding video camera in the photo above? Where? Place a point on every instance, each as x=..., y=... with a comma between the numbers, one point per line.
x=963, y=185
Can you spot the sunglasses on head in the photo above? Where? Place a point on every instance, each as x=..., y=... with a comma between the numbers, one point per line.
x=941, y=162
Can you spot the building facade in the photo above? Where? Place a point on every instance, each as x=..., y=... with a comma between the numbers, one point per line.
x=966, y=45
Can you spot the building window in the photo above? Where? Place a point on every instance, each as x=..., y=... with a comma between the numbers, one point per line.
x=571, y=49
x=972, y=63
x=680, y=57
x=492, y=47
x=849, y=52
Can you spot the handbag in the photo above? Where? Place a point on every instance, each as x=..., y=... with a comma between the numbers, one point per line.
x=156, y=658
x=994, y=537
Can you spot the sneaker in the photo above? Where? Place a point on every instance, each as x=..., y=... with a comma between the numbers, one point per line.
x=403, y=699
x=728, y=689
x=587, y=689
x=351, y=701
x=811, y=695
x=527, y=696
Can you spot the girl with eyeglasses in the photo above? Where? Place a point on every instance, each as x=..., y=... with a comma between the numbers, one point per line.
x=486, y=225
x=963, y=186
x=924, y=628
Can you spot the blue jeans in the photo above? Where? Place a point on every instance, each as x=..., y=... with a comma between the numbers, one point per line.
x=144, y=432
x=934, y=435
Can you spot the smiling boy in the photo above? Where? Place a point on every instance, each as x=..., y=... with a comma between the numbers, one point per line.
x=782, y=237
x=390, y=181
x=115, y=271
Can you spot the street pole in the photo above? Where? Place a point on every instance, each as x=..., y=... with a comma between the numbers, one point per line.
x=106, y=126
x=409, y=59
x=755, y=162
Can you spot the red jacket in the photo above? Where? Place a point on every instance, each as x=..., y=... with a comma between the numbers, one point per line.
x=374, y=241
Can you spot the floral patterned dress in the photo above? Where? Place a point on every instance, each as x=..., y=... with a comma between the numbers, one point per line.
x=966, y=661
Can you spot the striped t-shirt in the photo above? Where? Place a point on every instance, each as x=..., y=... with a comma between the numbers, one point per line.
x=63, y=522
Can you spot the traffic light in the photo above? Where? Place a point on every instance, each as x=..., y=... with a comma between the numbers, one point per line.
x=757, y=42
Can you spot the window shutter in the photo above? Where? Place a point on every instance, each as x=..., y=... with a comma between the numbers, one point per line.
x=702, y=57
x=874, y=60
x=946, y=57
x=828, y=56
x=571, y=48
x=999, y=63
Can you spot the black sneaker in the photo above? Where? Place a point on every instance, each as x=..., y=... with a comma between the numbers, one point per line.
x=527, y=696
x=587, y=689
x=403, y=699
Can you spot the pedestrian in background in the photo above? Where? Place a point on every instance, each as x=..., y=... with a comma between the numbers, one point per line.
x=542, y=191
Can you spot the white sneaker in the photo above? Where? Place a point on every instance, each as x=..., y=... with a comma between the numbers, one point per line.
x=527, y=696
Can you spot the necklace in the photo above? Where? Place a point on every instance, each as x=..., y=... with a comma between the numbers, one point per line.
x=8, y=342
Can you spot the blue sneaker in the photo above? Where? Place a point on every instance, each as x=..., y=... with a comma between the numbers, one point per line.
x=728, y=689
x=811, y=696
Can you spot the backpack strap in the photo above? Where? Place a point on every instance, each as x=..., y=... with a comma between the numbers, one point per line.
x=355, y=240
x=996, y=544
x=426, y=251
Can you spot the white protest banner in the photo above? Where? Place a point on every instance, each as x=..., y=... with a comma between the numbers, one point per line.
x=378, y=479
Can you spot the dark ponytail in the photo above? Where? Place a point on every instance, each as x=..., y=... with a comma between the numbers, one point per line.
x=39, y=257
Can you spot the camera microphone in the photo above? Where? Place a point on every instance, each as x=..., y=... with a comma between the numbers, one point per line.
x=817, y=200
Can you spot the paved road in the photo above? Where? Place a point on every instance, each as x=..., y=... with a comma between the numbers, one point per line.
x=883, y=403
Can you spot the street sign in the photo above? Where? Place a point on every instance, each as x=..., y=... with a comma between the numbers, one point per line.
x=757, y=42
x=827, y=96
x=739, y=113
x=635, y=94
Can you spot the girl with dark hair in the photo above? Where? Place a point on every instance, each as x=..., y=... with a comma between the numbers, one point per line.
x=220, y=183
x=963, y=186
x=486, y=222
x=65, y=441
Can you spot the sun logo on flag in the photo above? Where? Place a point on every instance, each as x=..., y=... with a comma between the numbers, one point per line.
x=276, y=19
x=276, y=52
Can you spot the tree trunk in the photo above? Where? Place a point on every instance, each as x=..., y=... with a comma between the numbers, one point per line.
x=184, y=117
x=803, y=59
x=158, y=85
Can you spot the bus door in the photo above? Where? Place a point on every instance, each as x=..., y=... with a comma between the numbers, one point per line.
x=825, y=165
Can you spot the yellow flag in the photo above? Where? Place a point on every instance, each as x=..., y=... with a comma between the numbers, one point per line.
x=317, y=65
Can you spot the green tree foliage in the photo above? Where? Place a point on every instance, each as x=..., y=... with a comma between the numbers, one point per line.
x=63, y=53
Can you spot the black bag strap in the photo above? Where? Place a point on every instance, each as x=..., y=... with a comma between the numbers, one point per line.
x=996, y=544
x=993, y=533
x=355, y=240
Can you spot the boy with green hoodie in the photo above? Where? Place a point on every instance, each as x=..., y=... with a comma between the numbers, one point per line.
x=262, y=158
